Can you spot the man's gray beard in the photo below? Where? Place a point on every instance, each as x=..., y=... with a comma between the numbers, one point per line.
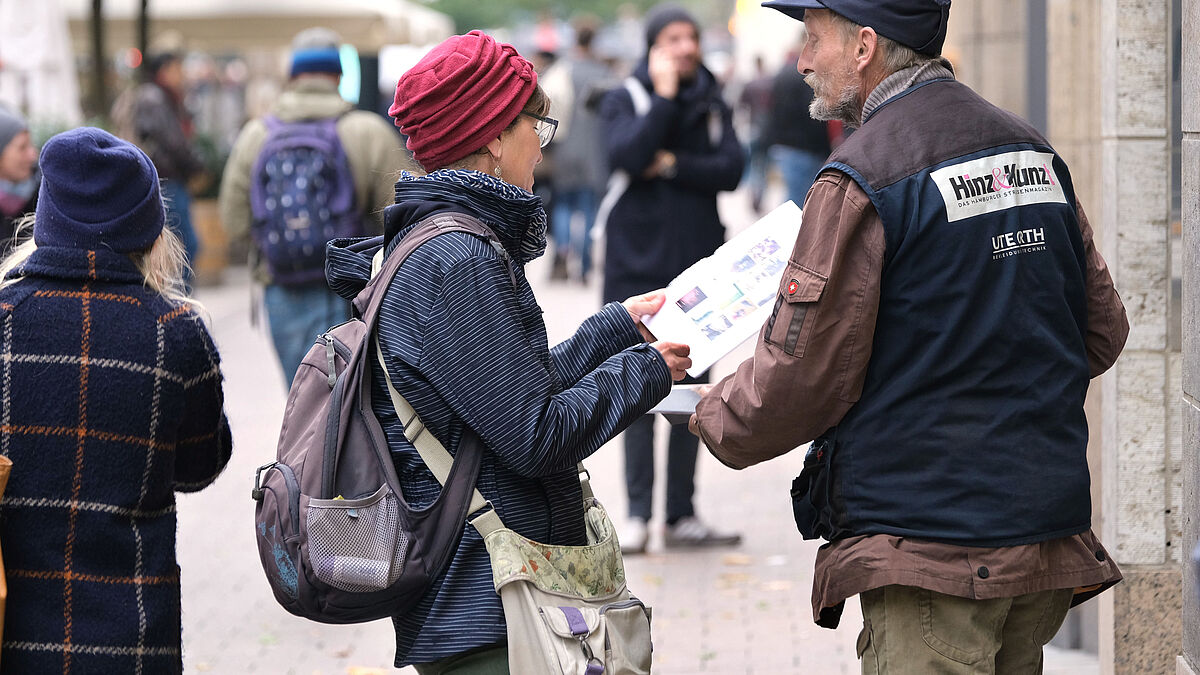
x=845, y=110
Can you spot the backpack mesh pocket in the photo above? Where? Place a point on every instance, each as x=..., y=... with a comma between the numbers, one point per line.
x=357, y=545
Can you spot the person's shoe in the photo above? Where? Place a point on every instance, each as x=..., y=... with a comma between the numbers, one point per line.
x=633, y=536
x=692, y=532
x=558, y=271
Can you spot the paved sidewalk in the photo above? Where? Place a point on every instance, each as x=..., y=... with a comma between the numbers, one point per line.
x=744, y=610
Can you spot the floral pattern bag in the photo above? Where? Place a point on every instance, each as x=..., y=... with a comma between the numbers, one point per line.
x=567, y=608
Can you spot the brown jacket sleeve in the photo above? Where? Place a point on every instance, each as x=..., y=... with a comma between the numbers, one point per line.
x=1108, y=326
x=812, y=354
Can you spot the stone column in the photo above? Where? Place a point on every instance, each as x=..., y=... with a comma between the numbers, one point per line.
x=1073, y=128
x=986, y=41
x=1189, y=662
x=1142, y=419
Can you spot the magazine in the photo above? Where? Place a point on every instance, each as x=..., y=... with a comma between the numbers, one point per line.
x=679, y=405
x=723, y=300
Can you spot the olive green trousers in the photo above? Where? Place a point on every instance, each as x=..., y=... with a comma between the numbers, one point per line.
x=912, y=631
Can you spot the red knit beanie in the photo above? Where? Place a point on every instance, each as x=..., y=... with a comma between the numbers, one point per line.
x=460, y=96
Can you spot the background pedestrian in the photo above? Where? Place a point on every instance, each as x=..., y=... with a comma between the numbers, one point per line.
x=18, y=179
x=679, y=155
x=153, y=117
x=797, y=143
x=112, y=402
x=576, y=83
x=339, y=193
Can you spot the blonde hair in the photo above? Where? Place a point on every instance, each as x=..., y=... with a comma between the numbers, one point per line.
x=163, y=265
x=20, y=253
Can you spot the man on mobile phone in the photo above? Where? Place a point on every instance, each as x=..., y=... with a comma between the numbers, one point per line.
x=670, y=131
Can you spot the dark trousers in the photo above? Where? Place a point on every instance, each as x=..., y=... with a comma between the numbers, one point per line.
x=639, y=469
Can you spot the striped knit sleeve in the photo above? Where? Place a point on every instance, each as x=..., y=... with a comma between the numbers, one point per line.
x=204, y=441
x=603, y=334
x=476, y=356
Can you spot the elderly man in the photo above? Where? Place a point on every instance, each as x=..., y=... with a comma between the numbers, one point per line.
x=935, y=332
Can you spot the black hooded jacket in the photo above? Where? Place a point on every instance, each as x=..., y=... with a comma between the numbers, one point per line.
x=661, y=226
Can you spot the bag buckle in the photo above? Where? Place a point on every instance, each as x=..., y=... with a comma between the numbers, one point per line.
x=257, y=493
x=594, y=666
x=487, y=504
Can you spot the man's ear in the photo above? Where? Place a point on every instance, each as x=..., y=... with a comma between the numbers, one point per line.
x=866, y=44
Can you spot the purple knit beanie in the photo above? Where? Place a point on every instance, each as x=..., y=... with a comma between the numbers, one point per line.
x=98, y=191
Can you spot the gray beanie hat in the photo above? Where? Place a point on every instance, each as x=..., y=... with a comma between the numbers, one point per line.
x=662, y=15
x=11, y=124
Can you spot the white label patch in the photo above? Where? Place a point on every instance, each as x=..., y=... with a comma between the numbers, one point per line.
x=999, y=182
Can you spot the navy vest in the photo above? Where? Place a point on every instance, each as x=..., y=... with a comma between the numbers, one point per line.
x=970, y=429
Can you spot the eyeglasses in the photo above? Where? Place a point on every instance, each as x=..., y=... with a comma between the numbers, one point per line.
x=544, y=126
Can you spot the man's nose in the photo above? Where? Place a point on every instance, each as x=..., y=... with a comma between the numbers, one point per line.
x=804, y=64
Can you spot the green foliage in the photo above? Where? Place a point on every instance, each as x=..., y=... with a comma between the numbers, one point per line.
x=213, y=160
x=469, y=14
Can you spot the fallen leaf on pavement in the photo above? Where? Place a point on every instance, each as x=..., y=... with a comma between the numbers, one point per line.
x=737, y=559
x=734, y=578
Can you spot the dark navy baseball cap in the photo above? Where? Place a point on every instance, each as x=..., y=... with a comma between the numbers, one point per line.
x=919, y=24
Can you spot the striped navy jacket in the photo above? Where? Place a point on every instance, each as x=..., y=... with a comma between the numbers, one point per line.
x=464, y=345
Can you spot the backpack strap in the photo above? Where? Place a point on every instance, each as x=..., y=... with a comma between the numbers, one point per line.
x=438, y=460
x=368, y=301
x=619, y=179
x=639, y=96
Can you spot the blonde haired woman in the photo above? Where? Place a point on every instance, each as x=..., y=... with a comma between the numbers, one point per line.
x=110, y=402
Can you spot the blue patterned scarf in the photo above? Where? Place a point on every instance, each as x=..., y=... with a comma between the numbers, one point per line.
x=516, y=215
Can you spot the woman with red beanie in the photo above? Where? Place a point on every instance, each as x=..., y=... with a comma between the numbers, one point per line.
x=463, y=339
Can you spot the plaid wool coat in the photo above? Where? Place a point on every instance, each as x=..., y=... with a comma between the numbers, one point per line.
x=110, y=401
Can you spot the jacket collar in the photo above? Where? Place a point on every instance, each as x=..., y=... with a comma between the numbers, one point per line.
x=515, y=215
x=56, y=262
x=902, y=80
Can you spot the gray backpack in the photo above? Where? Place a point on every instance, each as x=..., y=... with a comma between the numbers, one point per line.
x=337, y=540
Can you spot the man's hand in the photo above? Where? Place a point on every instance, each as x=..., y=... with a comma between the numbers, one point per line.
x=642, y=306
x=663, y=73
x=676, y=356
x=663, y=166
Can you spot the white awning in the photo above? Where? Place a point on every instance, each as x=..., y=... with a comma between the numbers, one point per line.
x=37, y=70
x=213, y=25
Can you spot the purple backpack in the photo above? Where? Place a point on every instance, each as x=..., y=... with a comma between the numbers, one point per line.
x=301, y=198
x=337, y=540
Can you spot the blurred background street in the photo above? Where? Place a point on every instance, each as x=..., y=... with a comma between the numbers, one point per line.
x=1111, y=83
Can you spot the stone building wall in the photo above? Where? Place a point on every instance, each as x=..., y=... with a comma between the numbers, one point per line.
x=1189, y=662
